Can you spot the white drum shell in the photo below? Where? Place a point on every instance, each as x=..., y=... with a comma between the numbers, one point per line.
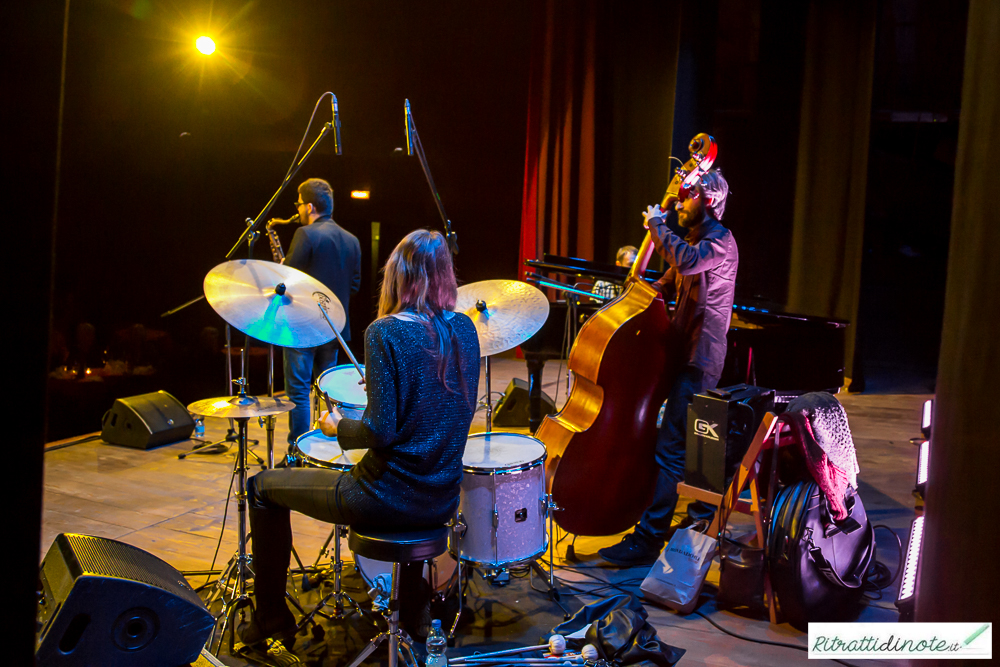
x=340, y=383
x=502, y=503
x=315, y=450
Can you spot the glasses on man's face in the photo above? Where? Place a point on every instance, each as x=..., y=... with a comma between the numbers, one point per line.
x=299, y=203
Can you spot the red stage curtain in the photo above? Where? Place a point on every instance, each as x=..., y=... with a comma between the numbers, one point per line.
x=600, y=116
x=557, y=212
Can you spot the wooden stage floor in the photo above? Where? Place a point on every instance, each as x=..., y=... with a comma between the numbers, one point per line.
x=174, y=509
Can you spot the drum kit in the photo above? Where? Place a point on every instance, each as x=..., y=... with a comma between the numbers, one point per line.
x=505, y=514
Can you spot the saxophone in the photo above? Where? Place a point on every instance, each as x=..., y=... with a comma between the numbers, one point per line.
x=272, y=236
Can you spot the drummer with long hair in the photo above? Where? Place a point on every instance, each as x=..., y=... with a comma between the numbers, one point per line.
x=422, y=368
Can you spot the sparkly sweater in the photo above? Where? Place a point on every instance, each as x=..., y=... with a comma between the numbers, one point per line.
x=414, y=429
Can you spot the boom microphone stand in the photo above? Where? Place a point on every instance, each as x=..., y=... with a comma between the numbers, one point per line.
x=413, y=145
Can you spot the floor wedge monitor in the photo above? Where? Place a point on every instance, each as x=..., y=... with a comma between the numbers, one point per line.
x=146, y=421
x=104, y=602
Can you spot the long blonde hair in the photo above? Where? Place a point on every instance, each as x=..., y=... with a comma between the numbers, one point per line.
x=419, y=277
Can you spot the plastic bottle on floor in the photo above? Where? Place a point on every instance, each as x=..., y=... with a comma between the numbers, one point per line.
x=437, y=646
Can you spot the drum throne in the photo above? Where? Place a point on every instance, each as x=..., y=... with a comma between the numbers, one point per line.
x=397, y=548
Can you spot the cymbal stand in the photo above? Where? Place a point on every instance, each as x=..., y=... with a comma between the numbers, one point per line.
x=231, y=586
x=481, y=307
x=269, y=421
x=489, y=395
x=553, y=590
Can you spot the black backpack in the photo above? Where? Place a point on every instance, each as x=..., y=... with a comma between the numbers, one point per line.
x=817, y=565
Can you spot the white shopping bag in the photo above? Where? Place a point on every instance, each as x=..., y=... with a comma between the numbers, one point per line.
x=679, y=573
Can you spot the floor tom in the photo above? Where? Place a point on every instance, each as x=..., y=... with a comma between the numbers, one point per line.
x=503, y=503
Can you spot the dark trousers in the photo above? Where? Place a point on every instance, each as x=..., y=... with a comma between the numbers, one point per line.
x=315, y=492
x=302, y=366
x=671, y=446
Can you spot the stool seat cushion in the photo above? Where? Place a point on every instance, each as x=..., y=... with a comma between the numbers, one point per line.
x=398, y=546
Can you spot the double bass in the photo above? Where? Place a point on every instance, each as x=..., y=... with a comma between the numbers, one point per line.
x=601, y=468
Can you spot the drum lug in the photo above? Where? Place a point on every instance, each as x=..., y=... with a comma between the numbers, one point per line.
x=459, y=526
x=496, y=517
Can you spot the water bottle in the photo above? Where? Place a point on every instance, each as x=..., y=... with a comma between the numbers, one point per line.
x=437, y=645
x=199, y=427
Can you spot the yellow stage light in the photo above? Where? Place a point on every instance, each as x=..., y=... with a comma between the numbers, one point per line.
x=205, y=45
x=360, y=194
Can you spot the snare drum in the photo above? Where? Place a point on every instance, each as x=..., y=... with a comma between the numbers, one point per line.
x=341, y=384
x=502, y=500
x=315, y=450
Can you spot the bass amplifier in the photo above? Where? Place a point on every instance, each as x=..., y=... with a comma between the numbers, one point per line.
x=104, y=602
x=720, y=425
x=146, y=421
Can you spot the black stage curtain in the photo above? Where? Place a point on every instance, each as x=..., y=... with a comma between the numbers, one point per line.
x=828, y=224
x=958, y=577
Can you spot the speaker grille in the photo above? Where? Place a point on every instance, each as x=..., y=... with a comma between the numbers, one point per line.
x=109, y=558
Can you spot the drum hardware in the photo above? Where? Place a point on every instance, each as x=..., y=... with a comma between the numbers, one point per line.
x=339, y=596
x=231, y=586
x=553, y=590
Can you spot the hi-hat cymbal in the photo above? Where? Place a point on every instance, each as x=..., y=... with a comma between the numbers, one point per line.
x=506, y=312
x=236, y=407
x=273, y=303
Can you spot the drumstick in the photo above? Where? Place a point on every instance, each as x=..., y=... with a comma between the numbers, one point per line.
x=329, y=405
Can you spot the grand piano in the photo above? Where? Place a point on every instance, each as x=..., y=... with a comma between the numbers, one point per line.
x=792, y=354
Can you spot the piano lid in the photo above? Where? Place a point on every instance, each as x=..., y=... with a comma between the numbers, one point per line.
x=575, y=266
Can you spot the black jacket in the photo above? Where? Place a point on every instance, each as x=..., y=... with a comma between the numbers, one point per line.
x=703, y=272
x=332, y=255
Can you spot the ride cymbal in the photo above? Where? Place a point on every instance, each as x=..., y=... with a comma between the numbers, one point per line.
x=506, y=312
x=273, y=303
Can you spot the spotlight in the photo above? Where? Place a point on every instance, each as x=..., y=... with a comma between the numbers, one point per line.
x=925, y=417
x=205, y=44
x=922, y=462
x=906, y=598
x=360, y=194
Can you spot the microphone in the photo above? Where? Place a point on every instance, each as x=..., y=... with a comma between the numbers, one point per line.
x=336, y=126
x=408, y=118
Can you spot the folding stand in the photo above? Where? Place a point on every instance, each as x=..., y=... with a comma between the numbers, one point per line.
x=748, y=476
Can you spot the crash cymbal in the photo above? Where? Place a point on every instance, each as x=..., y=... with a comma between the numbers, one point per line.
x=235, y=407
x=273, y=303
x=506, y=312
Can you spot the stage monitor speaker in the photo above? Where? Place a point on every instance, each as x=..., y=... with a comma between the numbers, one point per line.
x=146, y=421
x=720, y=425
x=104, y=602
x=513, y=408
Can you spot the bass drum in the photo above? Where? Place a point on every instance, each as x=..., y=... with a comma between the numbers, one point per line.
x=438, y=572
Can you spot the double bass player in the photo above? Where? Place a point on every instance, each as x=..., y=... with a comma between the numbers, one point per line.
x=702, y=278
